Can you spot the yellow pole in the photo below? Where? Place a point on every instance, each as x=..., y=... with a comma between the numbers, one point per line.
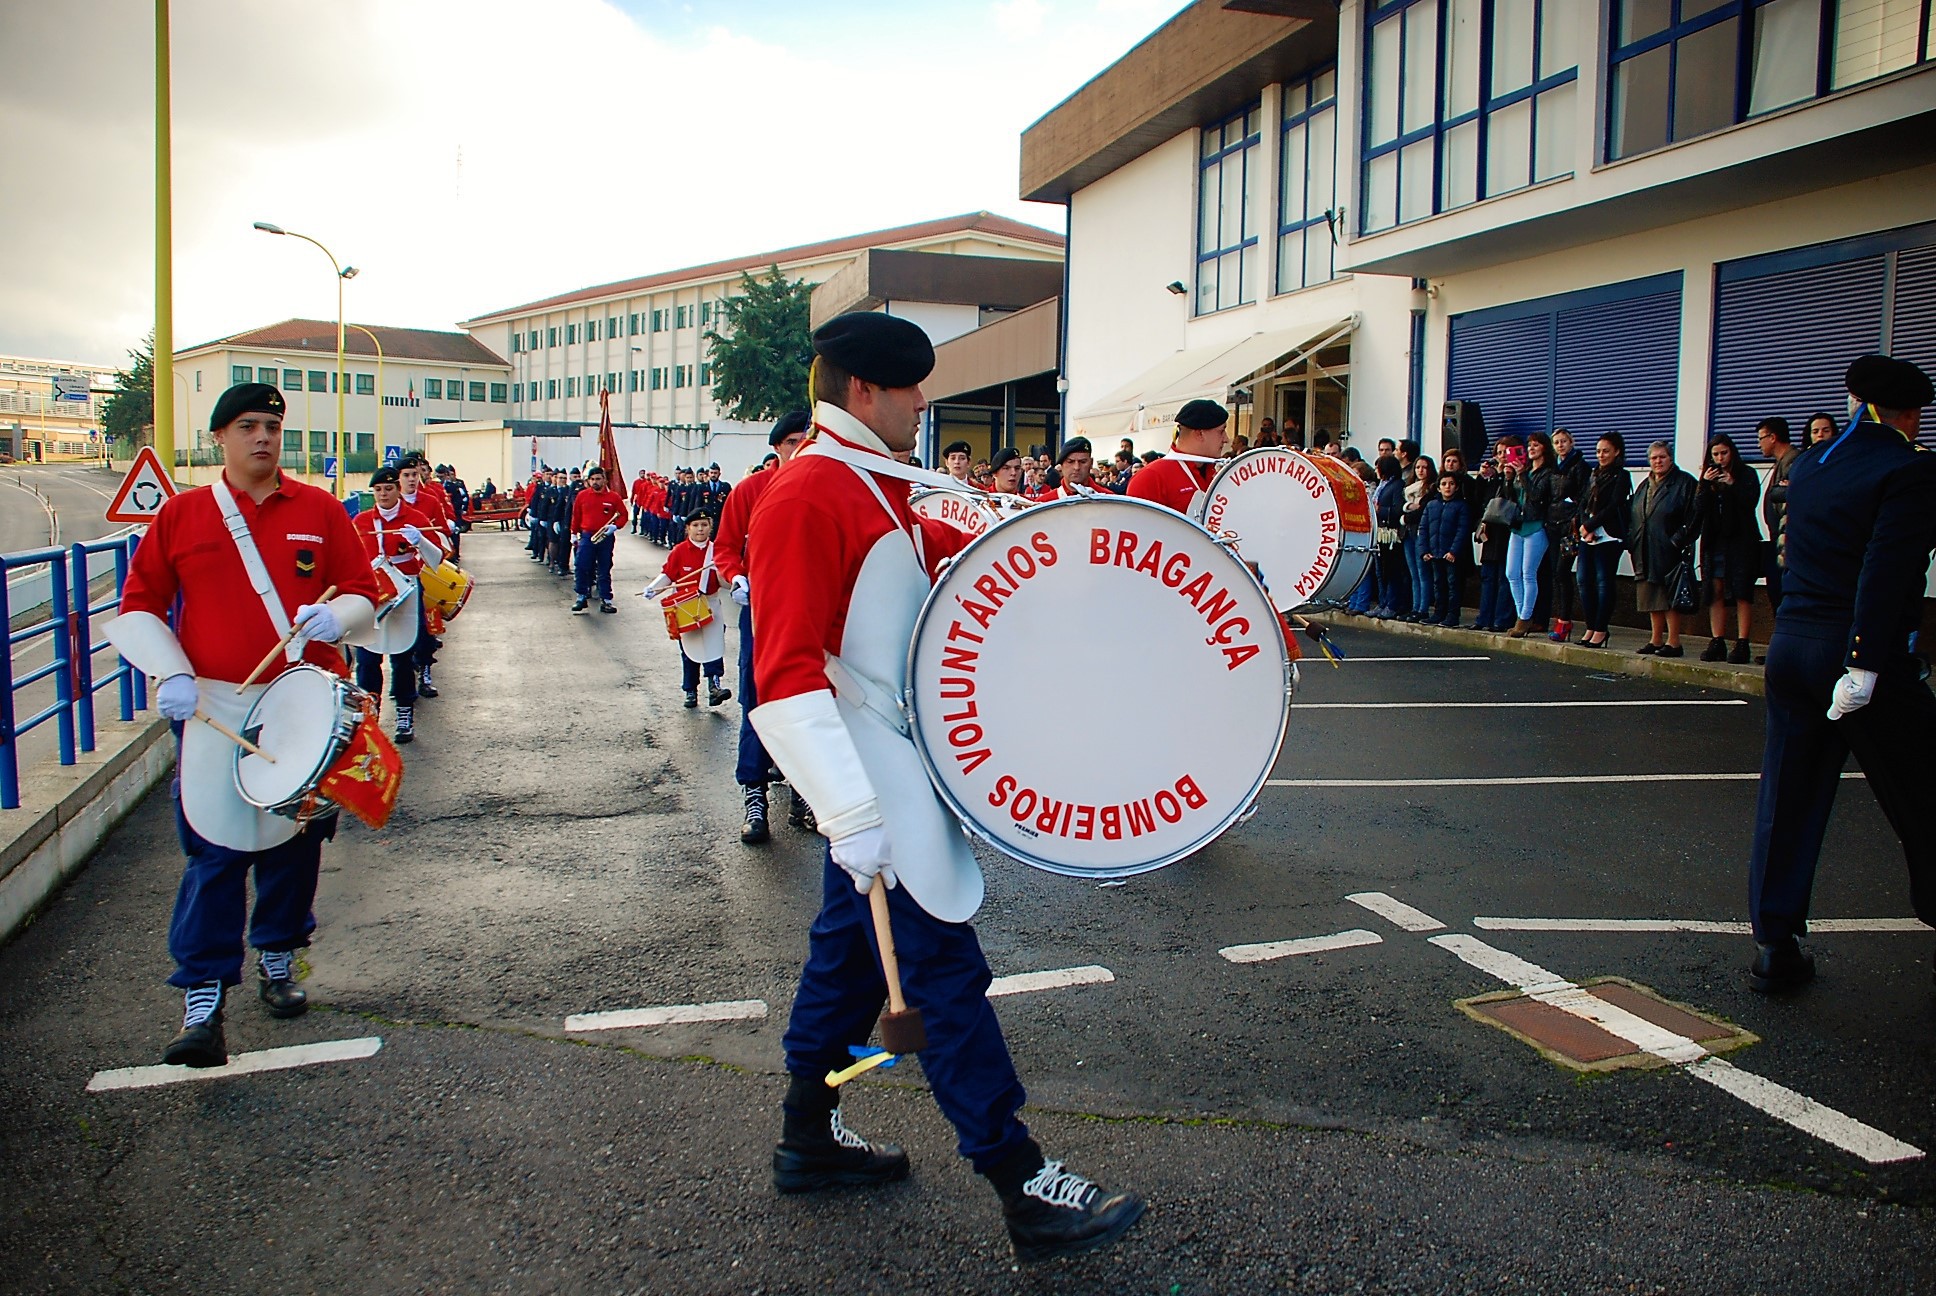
x=164, y=367
x=379, y=387
x=341, y=379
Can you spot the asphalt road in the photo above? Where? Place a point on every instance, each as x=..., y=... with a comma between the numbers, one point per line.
x=1326, y=1122
x=79, y=495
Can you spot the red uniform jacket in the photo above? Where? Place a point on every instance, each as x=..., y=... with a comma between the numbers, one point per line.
x=434, y=505
x=1171, y=482
x=683, y=561
x=642, y=493
x=307, y=543
x=733, y=520
x=594, y=508
x=402, y=554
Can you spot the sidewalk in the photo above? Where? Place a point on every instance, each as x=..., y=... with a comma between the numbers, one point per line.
x=1618, y=657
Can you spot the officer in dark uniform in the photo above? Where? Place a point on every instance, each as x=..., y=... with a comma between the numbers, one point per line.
x=538, y=505
x=1860, y=526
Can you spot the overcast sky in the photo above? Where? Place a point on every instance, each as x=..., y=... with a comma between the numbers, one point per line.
x=468, y=155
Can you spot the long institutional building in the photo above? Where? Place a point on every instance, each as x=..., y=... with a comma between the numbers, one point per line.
x=1669, y=218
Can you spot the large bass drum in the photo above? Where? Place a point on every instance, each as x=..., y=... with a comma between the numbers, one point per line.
x=1099, y=590
x=968, y=511
x=1305, y=520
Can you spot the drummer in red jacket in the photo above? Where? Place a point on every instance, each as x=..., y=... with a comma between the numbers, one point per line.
x=692, y=571
x=1176, y=479
x=301, y=540
x=396, y=536
x=1074, y=462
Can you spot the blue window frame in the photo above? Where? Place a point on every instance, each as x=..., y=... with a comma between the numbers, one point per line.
x=1307, y=200
x=1226, y=237
x=1463, y=100
x=1682, y=68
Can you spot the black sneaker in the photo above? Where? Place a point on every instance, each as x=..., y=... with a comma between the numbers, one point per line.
x=1739, y=656
x=578, y=608
x=406, y=725
x=839, y=1159
x=1057, y=1212
x=754, y=830
x=692, y=699
x=200, y=1042
x=1781, y=967
x=607, y=607
x=1716, y=650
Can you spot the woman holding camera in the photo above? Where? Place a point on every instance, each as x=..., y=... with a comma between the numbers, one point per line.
x=1663, y=518
x=1730, y=495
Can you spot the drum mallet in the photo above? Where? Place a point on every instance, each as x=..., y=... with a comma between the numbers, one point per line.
x=281, y=643
x=901, y=1027
x=233, y=736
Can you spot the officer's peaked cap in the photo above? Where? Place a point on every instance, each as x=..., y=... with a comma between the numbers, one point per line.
x=880, y=349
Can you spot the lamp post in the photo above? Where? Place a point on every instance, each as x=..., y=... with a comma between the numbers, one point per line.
x=342, y=272
x=164, y=348
x=341, y=463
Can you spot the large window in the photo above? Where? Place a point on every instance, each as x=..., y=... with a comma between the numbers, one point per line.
x=1226, y=236
x=1308, y=192
x=366, y=384
x=1682, y=68
x=1465, y=99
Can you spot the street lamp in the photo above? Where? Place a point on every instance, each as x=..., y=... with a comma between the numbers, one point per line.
x=341, y=464
x=342, y=273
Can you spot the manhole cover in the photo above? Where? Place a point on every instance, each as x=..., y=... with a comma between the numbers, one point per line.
x=1572, y=1041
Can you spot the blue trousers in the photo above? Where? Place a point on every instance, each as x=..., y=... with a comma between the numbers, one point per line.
x=403, y=674
x=1421, y=581
x=1494, y=597
x=754, y=763
x=211, y=908
x=1598, y=565
x=689, y=671
x=594, y=562
x=1523, y=554
x=944, y=975
x=1894, y=740
x=1448, y=590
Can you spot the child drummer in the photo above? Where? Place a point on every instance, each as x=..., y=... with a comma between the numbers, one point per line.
x=689, y=572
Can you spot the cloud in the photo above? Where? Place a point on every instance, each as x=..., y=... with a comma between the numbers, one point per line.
x=1019, y=19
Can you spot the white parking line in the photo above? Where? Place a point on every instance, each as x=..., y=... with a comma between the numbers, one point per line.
x=1268, y=950
x=1784, y=1104
x=1054, y=979
x=668, y=1015
x=1699, y=926
x=1534, y=780
x=275, y=1059
x=1396, y=912
x=1496, y=706
x=1362, y=661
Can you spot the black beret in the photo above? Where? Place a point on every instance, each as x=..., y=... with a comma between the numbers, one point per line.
x=956, y=447
x=1202, y=415
x=880, y=349
x=245, y=398
x=1882, y=381
x=387, y=475
x=1074, y=445
x=1004, y=457
x=712, y=467
x=788, y=423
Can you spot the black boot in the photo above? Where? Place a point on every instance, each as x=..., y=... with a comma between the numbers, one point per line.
x=692, y=698
x=1052, y=1211
x=754, y=830
x=201, y=1042
x=276, y=984
x=799, y=813
x=1781, y=967
x=817, y=1151
x=715, y=695
x=424, y=687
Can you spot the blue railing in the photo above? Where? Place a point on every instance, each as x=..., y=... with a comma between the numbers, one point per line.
x=61, y=581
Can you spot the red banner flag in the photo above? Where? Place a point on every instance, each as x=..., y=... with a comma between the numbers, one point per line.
x=607, y=447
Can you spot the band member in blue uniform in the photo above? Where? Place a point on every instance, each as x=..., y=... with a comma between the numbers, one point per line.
x=1861, y=522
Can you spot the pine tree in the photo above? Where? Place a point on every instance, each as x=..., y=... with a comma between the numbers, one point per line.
x=130, y=411
x=761, y=357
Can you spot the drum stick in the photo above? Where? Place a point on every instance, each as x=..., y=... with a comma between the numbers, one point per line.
x=901, y=1027
x=281, y=643
x=233, y=736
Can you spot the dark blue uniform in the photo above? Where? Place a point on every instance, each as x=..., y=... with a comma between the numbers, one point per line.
x=1861, y=523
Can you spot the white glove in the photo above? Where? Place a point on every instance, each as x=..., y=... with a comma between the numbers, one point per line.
x=658, y=583
x=178, y=697
x=742, y=592
x=1852, y=692
x=865, y=855
x=412, y=534
x=318, y=623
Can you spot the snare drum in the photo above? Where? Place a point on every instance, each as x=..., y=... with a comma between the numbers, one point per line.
x=446, y=587
x=686, y=613
x=1109, y=583
x=393, y=590
x=969, y=512
x=1305, y=520
x=322, y=731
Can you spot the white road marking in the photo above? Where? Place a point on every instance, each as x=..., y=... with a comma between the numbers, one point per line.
x=1696, y=925
x=1784, y=1104
x=1265, y=951
x=1054, y=979
x=1361, y=661
x=668, y=1015
x=1396, y=912
x=275, y=1059
x=1495, y=706
x=1535, y=780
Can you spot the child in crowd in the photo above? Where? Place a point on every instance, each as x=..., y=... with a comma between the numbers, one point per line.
x=1442, y=533
x=689, y=570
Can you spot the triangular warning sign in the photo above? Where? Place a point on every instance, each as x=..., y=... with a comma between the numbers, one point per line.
x=143, y=491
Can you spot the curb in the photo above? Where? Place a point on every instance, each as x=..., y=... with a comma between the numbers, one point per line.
x=1616, y=660
x=66, y=811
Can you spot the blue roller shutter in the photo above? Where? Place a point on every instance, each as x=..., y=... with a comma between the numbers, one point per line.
x=1783, y=341
x=1912, y=333
x=1617, y=369
x=1505, y=366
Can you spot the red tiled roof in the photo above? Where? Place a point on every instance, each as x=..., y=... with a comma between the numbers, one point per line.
x=974, y=222
x=313, y=337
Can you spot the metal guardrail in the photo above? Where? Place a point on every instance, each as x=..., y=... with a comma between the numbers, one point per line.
x=71, y=573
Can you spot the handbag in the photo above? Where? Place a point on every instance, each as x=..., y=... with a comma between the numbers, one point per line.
x=1683, y=589
x=1501, y=512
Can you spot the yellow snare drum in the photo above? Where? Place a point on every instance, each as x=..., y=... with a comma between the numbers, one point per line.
x=445, y=587
x=684, y=615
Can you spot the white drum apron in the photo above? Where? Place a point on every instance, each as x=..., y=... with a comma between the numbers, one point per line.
x=1305, y=520
x=1089, y=791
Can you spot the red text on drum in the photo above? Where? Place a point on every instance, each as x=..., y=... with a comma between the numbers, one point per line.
x=1215, y=603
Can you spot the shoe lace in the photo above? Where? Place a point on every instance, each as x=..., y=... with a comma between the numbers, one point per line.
x=1059, y=1187
x=275, y=964
x=200, y=1003
x=842, y=1135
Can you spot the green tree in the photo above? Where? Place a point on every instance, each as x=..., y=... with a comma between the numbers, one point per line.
x=130, y=411
x=761, y=356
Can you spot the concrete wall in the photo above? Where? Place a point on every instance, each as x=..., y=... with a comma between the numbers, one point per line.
x=941, y=321
x=476, y=453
